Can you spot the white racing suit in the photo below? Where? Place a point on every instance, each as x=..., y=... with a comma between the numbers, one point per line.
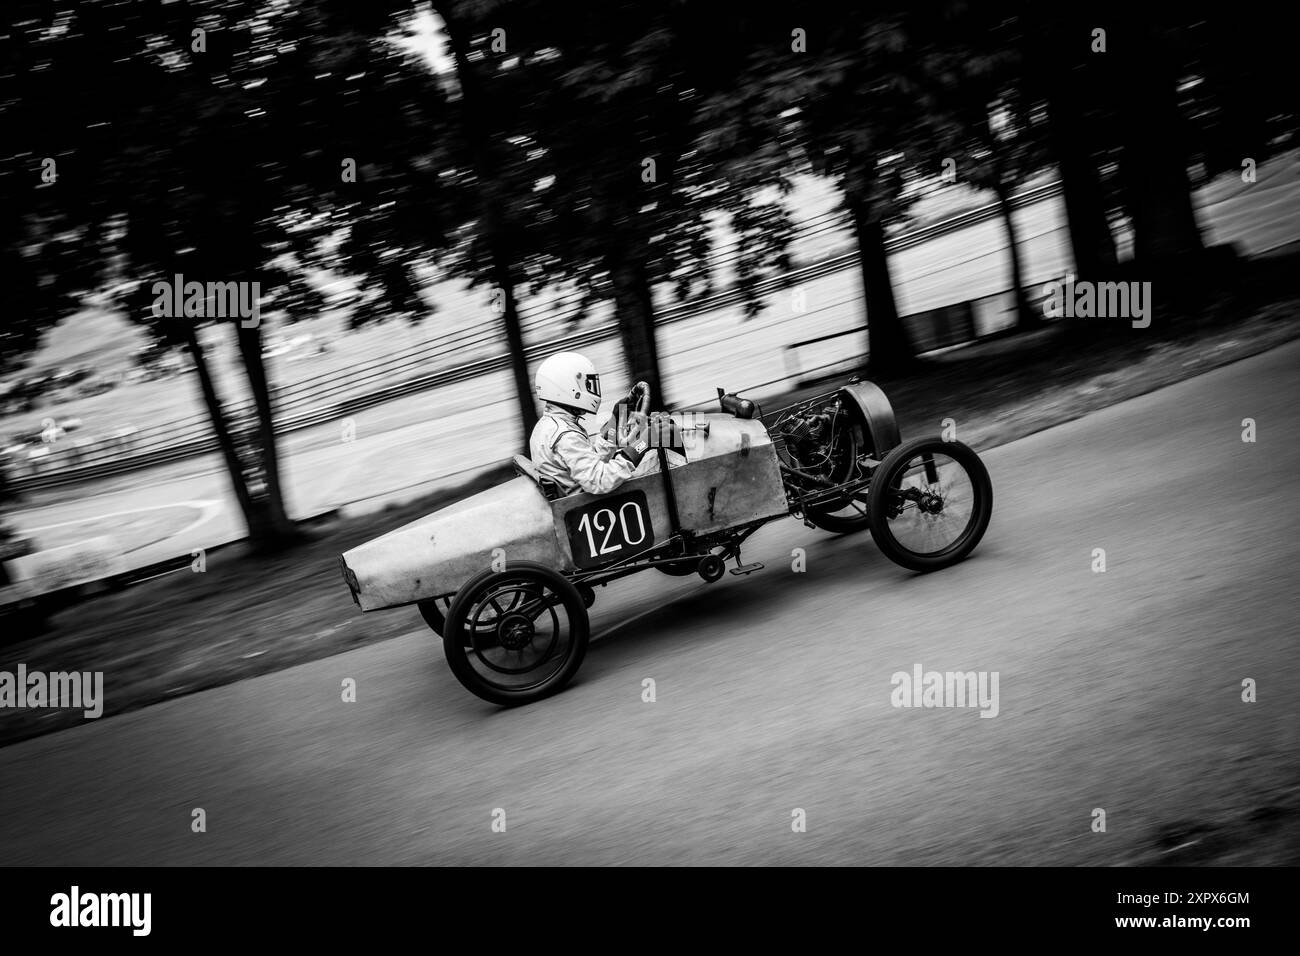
x=562, y=451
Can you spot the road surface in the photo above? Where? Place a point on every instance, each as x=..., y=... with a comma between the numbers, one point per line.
x=1120, y=691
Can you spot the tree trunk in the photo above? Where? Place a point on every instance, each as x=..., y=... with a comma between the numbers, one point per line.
x=1091, y=241
x=1057, y=55
x=1026, y=318
x=278, y=529
x=1157, y=189
x=1239, y=73
x=634, y=305
x=220, y=429
x=493, y=216
x=888, y=350
x=515, y=343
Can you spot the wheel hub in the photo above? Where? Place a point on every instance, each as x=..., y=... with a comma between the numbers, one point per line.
x=930, y=503
x=515, y=631
x=711, y=567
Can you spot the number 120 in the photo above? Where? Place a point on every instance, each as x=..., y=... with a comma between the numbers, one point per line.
x=592, y=525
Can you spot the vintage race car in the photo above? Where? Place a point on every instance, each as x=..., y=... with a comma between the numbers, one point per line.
x=506, y=576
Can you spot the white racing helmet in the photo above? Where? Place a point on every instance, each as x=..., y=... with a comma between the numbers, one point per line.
x=569, y=379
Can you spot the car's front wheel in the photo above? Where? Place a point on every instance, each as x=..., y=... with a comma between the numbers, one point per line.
x=930, y=503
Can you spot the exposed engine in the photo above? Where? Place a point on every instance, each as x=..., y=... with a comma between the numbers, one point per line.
x=815, y=443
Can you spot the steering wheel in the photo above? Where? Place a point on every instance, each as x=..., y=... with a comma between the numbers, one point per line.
x=637, y=402
x=639, y=398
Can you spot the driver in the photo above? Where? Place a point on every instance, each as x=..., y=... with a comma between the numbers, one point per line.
x=561, y=449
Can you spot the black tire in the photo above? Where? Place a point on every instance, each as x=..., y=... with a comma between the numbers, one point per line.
x=434, y=612
x=897, y=523
x=840, y=522
x=483, y=660
x=679, y=569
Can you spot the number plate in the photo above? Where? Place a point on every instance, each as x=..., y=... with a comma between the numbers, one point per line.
x=609, y=529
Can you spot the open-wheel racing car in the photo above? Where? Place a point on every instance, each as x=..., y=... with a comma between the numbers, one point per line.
x=506, y=576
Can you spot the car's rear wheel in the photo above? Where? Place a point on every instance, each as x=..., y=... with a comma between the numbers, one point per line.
x=930, y=503
x=524, y=633
x=434, y=611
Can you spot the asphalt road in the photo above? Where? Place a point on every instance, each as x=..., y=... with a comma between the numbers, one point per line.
x=1118, y=690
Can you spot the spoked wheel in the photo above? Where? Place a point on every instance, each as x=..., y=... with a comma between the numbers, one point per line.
x=930, y=503
x=524, y=632
x=434, y=611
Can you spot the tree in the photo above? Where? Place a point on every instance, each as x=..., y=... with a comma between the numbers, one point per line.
x=214, y=140
x=857, y=127
x=1242, y=106
x=1061, y=71
x=1110, y=79
x=607, y=108
x=499, y=232
x=613, y=131
x=840, y=87
x=982, y=120
x=1157, y=189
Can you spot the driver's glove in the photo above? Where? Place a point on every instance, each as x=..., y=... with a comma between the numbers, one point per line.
x=634, y=438
x=621, y=416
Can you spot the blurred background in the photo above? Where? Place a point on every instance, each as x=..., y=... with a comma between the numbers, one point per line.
x=434, y=196
x=425, y=198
